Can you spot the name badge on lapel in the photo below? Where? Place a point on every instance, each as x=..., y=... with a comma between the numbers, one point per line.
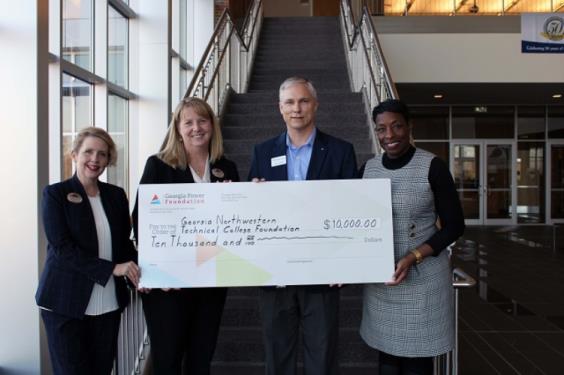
x=278, y=160
x=218, y=173
x=74, y=197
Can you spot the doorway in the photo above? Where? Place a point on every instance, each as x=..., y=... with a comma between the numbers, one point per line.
x=328, y=8
x=484, y=177
x=556, y=182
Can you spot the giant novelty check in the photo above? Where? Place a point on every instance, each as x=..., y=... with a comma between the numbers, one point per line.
x=271, y=233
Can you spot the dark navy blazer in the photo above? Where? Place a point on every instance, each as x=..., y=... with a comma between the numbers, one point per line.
x=73, y=266
x=158, y=172
x=331, y=159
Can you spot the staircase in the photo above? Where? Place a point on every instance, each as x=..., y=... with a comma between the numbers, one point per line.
x=312, y=48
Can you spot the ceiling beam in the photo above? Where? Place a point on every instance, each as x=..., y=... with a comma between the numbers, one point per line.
x=408, y=6
x=510, y=6
x=460, y=5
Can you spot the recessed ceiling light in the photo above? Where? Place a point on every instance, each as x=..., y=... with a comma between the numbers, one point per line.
x=438, y=96
x=557, y=96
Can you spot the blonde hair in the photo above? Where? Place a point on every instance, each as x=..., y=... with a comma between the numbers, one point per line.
x=172, y=150
x=98, y=133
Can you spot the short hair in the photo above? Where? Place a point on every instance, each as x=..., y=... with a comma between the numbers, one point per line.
x=172, y=150
x=391, y=105
x=100, y=133
x=297, y=81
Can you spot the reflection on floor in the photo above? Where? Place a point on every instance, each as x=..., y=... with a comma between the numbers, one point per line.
x=512, y=321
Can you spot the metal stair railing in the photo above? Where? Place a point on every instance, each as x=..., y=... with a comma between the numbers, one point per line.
x=447, y=364
x=228, y=58
x=368, y=69
x=133, y=340
x=367, y=66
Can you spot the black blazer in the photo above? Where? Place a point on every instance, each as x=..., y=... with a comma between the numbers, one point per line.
x=331, y=159
x=158, y=172
x=73, y=266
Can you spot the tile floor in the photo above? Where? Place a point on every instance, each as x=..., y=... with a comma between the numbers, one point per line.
x=512, y=321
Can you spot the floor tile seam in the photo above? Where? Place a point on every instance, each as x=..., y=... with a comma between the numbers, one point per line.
x=505, y=359
x=536, y=331
x=526, y=356
x=481, y=355
x=560, y=354
x=505, y=316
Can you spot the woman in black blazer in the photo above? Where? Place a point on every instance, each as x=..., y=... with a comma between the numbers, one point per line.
x=82, y=289
x=183, y=324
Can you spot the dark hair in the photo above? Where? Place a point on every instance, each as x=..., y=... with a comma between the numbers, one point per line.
x=391, y=105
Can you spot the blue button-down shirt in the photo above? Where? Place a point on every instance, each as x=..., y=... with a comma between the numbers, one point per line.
x=298, y=158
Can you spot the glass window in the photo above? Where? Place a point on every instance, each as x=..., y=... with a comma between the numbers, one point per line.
x=118, y=120
x=183, y=82
x=77, y=32
x=555, y=122
x=430, y=122
x=530, y=122
x=77, y=114
x=117, y=48
x=557, y=182
x=466, y=171
x=530, y=182
x=483, y=122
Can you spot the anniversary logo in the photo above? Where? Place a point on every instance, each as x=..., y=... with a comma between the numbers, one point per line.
x=542, y=33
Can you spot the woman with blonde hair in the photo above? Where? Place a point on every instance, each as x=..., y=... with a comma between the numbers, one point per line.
x=82, y=289
x=183, y=324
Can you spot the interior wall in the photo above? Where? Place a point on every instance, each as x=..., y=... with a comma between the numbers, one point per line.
x=462, y=49
x=287, y=8
x=421, y=58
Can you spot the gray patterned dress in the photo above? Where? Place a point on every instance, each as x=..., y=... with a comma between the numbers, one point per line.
x=416, y=317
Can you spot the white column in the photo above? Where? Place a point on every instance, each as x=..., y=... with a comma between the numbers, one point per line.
x=149, y=73
x=203, y=27
x=24, y=154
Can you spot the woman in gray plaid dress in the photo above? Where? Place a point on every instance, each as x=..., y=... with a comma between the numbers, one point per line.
x=411, y=319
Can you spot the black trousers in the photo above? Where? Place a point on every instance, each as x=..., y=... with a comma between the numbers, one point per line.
x=82, y=346
x=183, y=326
x=314, y=309
x=394, y=365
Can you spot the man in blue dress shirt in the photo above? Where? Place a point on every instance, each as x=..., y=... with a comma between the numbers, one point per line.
x=302, y=152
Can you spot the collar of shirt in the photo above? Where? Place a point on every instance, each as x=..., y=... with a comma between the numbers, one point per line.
x=298, y=157
x=206, y=177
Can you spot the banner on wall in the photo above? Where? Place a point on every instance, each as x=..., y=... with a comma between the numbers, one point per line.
x=542, y=33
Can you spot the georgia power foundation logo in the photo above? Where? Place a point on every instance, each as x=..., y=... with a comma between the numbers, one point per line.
x=553, y=29
x=178, y=199
x=155, y=199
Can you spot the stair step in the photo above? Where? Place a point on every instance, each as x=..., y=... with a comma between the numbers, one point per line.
x=274, y=108
x=277, y=79
x=323, y=96
x=246, y=346
x=321, y=85
x=275, y=119
x=259, y=71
